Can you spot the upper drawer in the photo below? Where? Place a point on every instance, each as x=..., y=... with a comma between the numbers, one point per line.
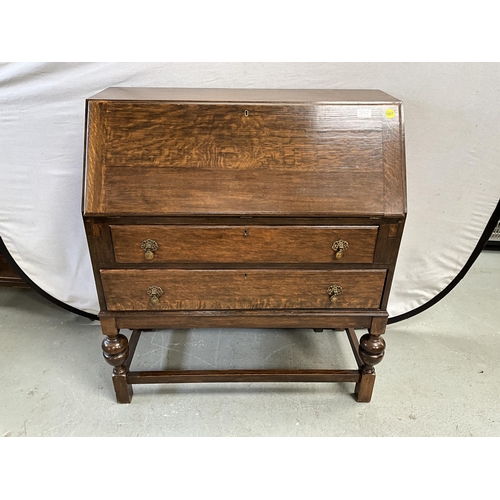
x=244, y=244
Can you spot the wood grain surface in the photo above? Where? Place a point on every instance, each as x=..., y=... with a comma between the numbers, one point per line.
x=197, y=376
x=243, y=244
x=168, y=158
x=243, y=136
x=337, y=96
x=241, y=289
x=152, y=191
x=246, y=318
x=95, y=154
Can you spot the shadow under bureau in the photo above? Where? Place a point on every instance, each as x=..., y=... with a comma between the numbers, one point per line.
x=243, y=208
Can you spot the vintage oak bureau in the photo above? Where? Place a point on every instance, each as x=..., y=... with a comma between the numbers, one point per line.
x=243, y=208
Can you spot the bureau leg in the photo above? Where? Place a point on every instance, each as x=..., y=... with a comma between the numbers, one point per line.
x=371, y=352
x=116, y=350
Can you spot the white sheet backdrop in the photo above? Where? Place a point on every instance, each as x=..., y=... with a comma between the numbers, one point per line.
x=452, y=114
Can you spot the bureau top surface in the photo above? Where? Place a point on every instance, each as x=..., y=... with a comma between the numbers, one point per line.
x=159, y=152
x=307, y=96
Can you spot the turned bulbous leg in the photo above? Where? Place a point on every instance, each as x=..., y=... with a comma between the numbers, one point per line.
x=371, y=352
x=115, y=351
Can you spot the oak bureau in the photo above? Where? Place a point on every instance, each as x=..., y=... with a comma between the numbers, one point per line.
x=243, y=208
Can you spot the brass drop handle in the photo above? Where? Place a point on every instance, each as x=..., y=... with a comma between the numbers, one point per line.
x=149, y=247
x=339, y=247
x=334, y=291
x=155, y=292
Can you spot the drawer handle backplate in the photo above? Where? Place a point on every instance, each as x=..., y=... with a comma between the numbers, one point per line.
x=339, y=247
x=334, y=291
x=155, y=292
x=149, y=247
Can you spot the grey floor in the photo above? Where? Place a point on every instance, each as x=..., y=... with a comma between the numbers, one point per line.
x=440, y=375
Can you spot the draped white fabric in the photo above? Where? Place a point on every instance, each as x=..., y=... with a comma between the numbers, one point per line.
x=452, y=148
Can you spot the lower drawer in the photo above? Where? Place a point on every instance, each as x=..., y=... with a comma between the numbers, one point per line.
x=201, y=289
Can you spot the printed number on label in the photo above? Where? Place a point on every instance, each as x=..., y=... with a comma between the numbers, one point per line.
x=364, y=113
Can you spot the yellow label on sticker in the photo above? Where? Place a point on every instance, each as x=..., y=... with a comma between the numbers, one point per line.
x=389, y=113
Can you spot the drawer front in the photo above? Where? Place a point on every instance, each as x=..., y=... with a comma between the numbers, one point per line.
x=244, y=244
x=201, y=289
